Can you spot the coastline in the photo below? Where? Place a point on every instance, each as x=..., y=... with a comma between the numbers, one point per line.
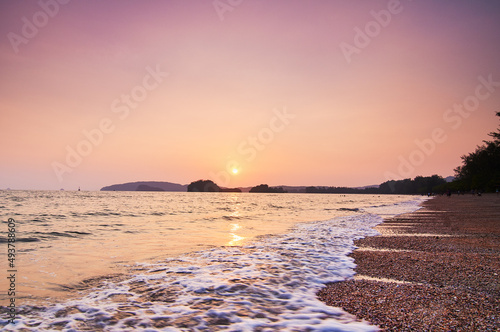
x=433, y=269
x=268, y=284
x=68, y=240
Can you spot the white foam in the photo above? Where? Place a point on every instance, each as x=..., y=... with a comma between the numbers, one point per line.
x=270, y=284
x=391, y=210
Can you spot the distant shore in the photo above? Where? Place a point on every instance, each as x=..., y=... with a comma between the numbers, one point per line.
x=435, y=269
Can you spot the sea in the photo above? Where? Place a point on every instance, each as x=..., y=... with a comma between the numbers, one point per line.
x=172, y=261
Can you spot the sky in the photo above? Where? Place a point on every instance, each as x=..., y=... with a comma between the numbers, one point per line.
x=243, y=92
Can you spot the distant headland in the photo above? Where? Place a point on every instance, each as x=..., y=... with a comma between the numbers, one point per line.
x=146, y=186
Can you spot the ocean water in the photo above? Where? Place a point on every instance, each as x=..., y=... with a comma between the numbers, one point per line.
x=154, y=261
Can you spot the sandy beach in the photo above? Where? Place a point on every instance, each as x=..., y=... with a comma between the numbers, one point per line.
x=436, y=269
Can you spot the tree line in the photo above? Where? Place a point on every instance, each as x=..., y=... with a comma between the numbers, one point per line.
x=480, y=170
x=418, y=185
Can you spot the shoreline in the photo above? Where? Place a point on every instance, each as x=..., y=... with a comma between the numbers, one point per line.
x=269, y=284
x=66, y=248
x=434, y=269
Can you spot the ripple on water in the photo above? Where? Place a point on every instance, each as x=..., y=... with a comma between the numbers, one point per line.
x=270, y=285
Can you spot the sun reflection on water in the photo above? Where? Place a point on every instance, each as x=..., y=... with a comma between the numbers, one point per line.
x=234, y=227
x=235, y=240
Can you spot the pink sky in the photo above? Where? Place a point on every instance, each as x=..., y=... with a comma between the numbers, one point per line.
x=178, y=91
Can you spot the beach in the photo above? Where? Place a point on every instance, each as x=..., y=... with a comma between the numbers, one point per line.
x=114, y=261
x=436, y=269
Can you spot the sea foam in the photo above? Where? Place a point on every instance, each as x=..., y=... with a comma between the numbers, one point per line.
x=270, y=285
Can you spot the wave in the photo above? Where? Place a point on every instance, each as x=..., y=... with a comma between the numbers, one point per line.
x=275, y=206
x=234, y=217
x=72, y=234
x=21, y=239
x=79, y=233
x=349, y=209
x=269, y=285
x=157, y=213
x=102, y=214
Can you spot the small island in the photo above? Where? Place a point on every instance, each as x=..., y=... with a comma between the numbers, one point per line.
x=209, y=186
x=264, y=188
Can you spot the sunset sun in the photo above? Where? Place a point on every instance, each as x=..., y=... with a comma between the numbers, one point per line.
x=235, y=171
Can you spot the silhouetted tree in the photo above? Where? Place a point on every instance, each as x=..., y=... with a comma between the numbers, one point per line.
x=496, y=136
x=337, y=190
x=203, y=186
x=264, y=188
x=419, y=185
x=481, y=169
x=230, y=190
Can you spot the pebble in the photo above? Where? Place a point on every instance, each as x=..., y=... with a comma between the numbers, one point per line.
x=447, y=255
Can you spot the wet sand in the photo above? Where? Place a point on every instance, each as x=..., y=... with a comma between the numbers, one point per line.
x=436, y=269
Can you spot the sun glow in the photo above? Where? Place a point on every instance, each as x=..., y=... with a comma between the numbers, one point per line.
x=235, y=171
